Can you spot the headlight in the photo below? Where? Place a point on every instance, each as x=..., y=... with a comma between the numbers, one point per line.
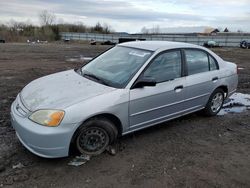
x=50, y=118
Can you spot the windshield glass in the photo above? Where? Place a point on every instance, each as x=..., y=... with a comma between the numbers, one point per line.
x=116, y=66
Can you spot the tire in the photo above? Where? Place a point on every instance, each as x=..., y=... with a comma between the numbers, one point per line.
x=244, y=45
x=95, y=135
x=212, y=108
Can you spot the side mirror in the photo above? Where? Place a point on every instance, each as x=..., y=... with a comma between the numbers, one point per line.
x=145, y=81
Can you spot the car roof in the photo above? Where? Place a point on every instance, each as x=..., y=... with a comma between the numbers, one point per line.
x=158, y=45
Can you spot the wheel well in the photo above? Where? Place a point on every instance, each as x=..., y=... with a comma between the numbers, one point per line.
x=225, y=89
x=110, y=117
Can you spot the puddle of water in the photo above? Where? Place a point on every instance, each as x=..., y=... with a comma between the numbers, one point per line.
x=77, y=59
x=236, y=103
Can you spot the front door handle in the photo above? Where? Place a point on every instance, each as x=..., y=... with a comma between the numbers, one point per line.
x=178, y=88
x=215, y=79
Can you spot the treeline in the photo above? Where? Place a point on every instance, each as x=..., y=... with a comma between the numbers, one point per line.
x=21, y=32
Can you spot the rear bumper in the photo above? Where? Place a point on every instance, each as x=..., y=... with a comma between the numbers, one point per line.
x=231, y=93
x=48, y=142
x=232, y=85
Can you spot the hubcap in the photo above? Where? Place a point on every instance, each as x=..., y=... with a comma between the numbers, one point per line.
x=93, y=140
x=217, y=102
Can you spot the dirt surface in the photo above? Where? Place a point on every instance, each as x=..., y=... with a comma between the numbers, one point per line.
x=193, y=151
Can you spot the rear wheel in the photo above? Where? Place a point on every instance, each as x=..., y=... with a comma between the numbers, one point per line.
x=215, y=103
x=95, y=135
x=244, y=45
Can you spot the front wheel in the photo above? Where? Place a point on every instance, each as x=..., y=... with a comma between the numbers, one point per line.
x=95, y=135
x=215, y=103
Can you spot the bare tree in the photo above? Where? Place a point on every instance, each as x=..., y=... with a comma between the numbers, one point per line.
x=154, y=30
x=144, y=30
x=106, y=28
x=98, y=27
x=46, y=18
x=101, y=28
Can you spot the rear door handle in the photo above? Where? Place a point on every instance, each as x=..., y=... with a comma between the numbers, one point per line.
x=215, y=79
x=178, y=88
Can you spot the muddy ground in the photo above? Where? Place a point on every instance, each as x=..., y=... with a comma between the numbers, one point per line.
x=192, y=151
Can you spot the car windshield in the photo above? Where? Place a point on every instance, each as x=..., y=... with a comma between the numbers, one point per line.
x=116, y=67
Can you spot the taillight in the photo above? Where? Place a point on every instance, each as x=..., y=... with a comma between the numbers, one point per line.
x=237, y=69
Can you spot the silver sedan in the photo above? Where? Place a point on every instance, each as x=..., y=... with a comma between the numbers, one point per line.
x=132, y=86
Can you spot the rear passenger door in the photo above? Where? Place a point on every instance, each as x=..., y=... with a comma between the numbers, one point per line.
x=202, y=77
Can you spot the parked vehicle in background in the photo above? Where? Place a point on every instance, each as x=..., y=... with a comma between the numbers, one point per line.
x=108, y=42
x=244, y=44
x=131, y=86
x=2, y=40
x=211, y=44
x=67, y=40
x=92, y=42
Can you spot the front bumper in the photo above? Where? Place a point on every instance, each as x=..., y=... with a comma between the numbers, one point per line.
x=48, y=142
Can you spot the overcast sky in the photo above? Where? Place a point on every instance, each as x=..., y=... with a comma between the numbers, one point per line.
x=131, y=16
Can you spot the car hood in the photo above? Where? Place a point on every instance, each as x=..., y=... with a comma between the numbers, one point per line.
x=60, y=90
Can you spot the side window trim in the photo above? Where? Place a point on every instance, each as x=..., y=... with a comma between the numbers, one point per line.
x=162, y=52
x=184, y=63
x=209, y=63
x=216, y=63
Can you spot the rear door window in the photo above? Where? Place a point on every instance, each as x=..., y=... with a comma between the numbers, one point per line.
x=197, y=61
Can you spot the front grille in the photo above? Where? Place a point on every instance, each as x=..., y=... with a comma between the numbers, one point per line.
x=20, y=108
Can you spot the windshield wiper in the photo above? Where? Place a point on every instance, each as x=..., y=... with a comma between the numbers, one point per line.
x=92, y=76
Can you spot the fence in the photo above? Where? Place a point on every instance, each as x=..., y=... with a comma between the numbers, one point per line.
x=228, y=41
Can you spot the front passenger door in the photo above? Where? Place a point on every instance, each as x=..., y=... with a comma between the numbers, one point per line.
x=151, y=105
